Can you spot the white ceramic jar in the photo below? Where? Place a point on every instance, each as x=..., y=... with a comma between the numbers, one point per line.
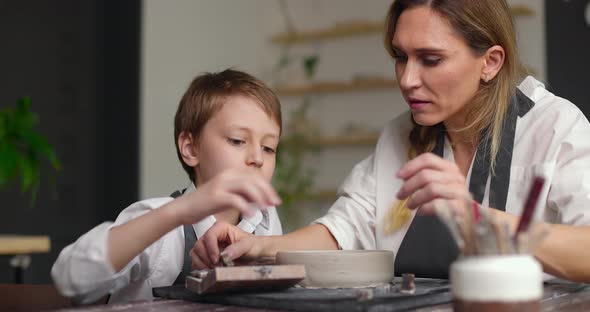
x=496, y=283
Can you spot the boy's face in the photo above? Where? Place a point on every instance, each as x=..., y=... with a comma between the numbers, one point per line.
x=239, y=135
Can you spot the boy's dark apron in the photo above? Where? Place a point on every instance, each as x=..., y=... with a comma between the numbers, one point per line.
x=190, y=238
x=428, y=249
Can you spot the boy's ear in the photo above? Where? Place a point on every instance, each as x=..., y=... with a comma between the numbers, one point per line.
x=493, y=61
x=188, y=149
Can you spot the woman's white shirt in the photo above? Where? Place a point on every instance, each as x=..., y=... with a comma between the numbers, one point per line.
x=82, y=270
x=551, y=140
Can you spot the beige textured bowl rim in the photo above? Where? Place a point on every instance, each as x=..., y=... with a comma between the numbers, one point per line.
x=356, y=251
x=341, y=268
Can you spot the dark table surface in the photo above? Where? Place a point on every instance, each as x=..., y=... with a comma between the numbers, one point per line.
x=558, y=296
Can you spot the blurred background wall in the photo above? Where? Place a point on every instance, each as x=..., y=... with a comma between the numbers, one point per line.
x=79, y=63
x=183, y=39
x=105, y=78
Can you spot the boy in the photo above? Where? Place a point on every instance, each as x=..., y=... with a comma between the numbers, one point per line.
x=226, y=129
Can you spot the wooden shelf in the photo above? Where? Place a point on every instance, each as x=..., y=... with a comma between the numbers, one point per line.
x=337, y=86
x=358, y=28
x=364, y=84
x=324, y=196
x=342, y=30
x=521, y=10
x=19, y=244
x=354, y=140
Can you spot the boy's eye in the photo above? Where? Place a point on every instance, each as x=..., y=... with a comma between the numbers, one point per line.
x=269, y=149
x=236, y=142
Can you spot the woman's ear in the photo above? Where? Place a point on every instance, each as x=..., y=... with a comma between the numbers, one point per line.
x=492, y=63
x=187, y=147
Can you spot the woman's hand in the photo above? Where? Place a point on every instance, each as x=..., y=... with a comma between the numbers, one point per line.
x=430, y=181
x=234, y=242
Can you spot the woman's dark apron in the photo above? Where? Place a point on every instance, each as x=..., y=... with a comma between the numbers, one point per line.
x=428, y=249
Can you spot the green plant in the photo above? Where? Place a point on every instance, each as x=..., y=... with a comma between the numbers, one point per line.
x=22, y=148
x=292, y=180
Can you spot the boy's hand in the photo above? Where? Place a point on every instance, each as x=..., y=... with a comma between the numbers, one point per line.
x=234, y=242
x=229, y=189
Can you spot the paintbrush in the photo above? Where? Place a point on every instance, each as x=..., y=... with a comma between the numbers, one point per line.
x=446, y=215
x=397, y=216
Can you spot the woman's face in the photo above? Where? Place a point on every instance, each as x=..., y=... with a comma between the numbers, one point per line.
x=437, y=72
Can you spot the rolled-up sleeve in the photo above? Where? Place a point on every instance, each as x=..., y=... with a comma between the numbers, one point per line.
x=351, y=219
x=569, y=193
x=83, y=271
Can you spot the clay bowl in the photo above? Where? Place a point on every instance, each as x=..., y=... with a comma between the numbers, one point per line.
x=341, y=268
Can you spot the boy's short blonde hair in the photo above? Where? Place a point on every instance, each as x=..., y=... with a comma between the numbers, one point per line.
x=206, y=95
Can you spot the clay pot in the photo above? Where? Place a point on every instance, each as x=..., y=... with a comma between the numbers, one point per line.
x=342, y=268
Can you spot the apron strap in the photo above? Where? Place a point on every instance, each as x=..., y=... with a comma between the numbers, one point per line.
x=190, y=238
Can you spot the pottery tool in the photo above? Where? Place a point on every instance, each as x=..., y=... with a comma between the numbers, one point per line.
x=464, y=230
x=467, y=225
x=472, y=204
x=483, y=229
x=244, y=278
x=508, y=238
x=522, y=243
x=397, y=216
x=446, y=215
x=408, y=286
x=225, y=259
x=502, y=237
x=487, y=242
x=529, y=207
x=478, y=231
x=365, y=295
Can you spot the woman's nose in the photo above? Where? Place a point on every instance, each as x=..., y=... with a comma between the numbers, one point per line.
x=410, y=76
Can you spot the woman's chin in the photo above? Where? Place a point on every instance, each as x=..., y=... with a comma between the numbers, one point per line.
x=425, y=120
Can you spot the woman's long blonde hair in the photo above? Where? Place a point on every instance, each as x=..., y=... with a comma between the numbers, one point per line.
x=482, y=24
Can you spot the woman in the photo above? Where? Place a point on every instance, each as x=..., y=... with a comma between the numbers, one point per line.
x=470, y=129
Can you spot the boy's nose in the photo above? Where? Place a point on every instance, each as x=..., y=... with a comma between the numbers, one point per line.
x=255, y=159
x=256, y=163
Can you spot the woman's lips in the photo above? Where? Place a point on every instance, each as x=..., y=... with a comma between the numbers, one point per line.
x=417, y=104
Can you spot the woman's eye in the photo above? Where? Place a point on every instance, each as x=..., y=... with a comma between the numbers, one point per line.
x=400, y=58
x=269, y=150
x=236, y=142
x=432, y=61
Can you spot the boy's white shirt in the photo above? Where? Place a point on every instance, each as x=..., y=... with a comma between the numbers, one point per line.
x=82, y=270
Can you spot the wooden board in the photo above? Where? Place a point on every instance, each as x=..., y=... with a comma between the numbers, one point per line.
x=430, y=295
x=428, y=292
x=22, y=244
x=246, y=278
